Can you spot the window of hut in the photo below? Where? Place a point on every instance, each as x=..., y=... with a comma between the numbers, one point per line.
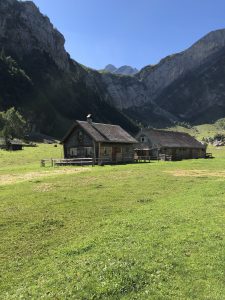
x=80, y=135
x=88, y=151
x=143, y=139
x=107, y=150
x=73, y=152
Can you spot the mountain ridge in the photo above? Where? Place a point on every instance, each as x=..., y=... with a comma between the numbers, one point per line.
x=123, y=70
x=156, y=80
x=63, y=90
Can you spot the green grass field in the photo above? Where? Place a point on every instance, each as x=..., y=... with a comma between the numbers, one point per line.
x=142, y=231
x=204, y=130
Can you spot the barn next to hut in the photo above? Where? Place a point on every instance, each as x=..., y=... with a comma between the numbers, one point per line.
x=11, y=144
x=177, y=145
x=104, y=143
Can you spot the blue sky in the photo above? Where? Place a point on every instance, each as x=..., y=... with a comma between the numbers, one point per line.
x=131, y=32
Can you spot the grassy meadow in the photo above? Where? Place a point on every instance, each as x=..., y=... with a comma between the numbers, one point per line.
x=204, y=130
x=141, y=231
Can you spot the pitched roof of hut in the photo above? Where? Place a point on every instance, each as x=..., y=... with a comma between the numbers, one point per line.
x=169, y=139
x=11, y=141
x=15, y=142
x=106, y=133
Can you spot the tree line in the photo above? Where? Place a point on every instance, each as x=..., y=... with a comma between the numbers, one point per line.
x=12, y=124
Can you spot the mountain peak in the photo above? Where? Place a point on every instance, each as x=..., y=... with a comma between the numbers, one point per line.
x=110, y=68
x=123, y=70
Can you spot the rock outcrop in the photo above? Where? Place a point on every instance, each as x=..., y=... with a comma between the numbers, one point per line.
x=24, y=29
x=173, y=67
x=60, y=90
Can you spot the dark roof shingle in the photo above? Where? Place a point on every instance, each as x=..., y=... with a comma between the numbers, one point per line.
x=11, y=141
x=171, y=139
x=90, y=129
x=104, y=132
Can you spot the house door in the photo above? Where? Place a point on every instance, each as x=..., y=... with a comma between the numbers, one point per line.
x=114, y=154
x=174, y=153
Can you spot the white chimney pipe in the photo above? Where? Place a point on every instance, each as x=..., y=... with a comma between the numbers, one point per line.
x=89, y=118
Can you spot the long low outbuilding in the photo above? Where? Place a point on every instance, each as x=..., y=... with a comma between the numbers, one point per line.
x=104, y=143
x=177, y=145
x=11, y=144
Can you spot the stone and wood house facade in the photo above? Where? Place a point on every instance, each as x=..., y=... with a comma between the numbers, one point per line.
x=177, y=145
x=104, y=143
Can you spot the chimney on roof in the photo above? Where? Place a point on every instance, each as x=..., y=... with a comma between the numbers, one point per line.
x=89, y=118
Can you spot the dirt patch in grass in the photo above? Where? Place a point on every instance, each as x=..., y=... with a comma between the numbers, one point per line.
x=196, y=173
x=44, y=187
x=15, y=178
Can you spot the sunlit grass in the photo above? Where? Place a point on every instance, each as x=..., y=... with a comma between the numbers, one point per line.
x=114, y=232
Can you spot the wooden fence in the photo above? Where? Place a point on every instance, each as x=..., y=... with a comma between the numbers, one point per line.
x=66, y=162
x=142, y=159
x=73, y=162
x=46, y=162
x=103, y=160
x=166, y=157
x=87, y=161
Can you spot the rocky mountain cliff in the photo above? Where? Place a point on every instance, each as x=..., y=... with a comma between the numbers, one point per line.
x=24, y=29
x=190, y=85
x=52, y=90
x=57, y=90
x=175, y=66
x=187, y=86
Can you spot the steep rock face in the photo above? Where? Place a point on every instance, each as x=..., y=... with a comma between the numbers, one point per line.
x=60, y=90
x=148, y=86
x=130, y=95
x=187, y=86
x=124, y=91
x=169, y=69
x=24, y=29
x=199, y=96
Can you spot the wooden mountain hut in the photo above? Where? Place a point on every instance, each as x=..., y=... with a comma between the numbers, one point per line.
x=104, y=143
x=11, y=144
x=161, y=143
